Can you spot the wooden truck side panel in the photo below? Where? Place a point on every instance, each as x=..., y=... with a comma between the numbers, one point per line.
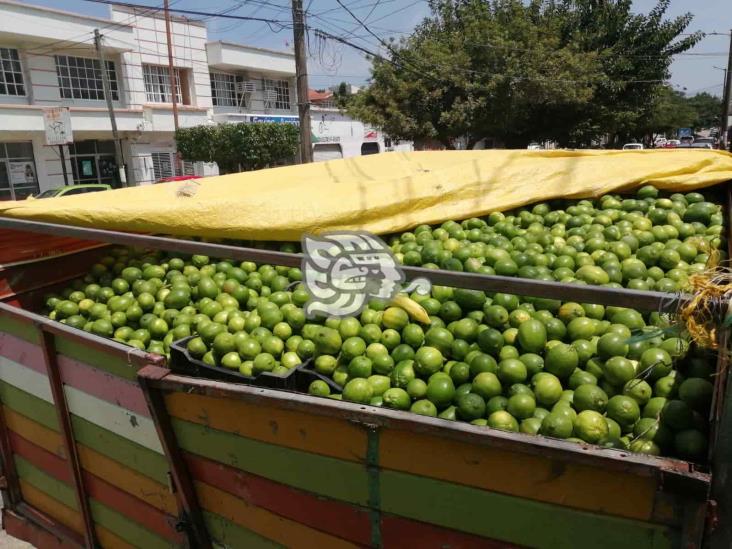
x=324, y=470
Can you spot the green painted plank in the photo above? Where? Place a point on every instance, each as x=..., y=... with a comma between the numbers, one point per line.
x=229, y=534
x=108, y=362
x=28, y=405
x=19, y=329
x=512, y=519
x=321, y=475
x=113, y=521
x=60, y=491
x=120, y=449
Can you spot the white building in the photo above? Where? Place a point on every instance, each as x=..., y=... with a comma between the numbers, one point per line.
x=336, y=135
x=48, y=59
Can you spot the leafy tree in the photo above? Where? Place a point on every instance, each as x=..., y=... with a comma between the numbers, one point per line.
x=568, y=70
x=239, y=147
x=671, y=111
x=708, y=109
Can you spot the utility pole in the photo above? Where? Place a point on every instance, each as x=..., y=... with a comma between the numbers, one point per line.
x=727, y=97
x=177, y=169
x=171, y=69
x=301, y=71
x=120, y=159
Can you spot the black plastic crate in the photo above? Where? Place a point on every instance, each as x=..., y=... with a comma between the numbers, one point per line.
x=297, y=379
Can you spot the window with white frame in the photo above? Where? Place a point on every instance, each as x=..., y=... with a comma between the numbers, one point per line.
x=157, y=84
x=11, y=73
x=164, y=165
x=223, y=90
x=80, y=78
x=277, y=94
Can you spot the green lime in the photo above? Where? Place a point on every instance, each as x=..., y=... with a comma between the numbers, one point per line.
x=231, y=361
x=561, y=360
x=395, y=318
x=427, y=361
x=556, y=425
x=624, y=410
x=511, y=371
x=652, y=429
x=618, y=371
x=656, y=362
x=379, y=384
x=460, y=373
x=470, y=406
x=264, y=362
x=521, y=406
x=691, y=445
x=424, y=408
x=638, y=390
x=547, y=388
x=590, y=397
x=697, y=393
x=402, y=374
x=440, y=391
x=676, y=415
x=359, y=390
x=482, y=362
x=591, y=427
x=503, y=420
x=393, y=398
x=487, y=385
x=416, y=389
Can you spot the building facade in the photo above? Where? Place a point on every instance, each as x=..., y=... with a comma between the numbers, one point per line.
x=48, y=59
x=336, y=135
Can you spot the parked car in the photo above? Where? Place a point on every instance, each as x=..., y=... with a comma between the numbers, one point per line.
x=534, y=147
x=633, y=147
x=671, y=144
x=73, y=189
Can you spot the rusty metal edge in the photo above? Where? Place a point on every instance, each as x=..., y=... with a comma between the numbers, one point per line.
x=48, y=523
x=67, y=434
x=638, y=299
x=672, y=473
x=185, y=493
x=133, y=356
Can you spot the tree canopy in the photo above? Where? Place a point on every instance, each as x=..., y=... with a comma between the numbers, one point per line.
x=565, y=70
x=239, y=147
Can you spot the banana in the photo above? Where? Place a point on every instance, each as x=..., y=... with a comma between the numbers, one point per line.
x=414, y=309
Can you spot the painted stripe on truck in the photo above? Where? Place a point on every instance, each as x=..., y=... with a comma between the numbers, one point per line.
x=126, y=529
x=268, y=525
x=130, y=507
x=68, y=516
x=322, y=475
x=99, y=465
x=105, y=442
x=99, y=383
x=516, y=520
x=523, y=475
x=118, y=420
x=316, y=434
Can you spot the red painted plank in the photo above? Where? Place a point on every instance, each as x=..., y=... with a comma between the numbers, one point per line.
x=21, y=528
x=405, y=534
x=98, y=489
x=339, y=519
x=76, y=374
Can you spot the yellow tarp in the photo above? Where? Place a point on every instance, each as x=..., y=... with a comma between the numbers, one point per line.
x=380, y=193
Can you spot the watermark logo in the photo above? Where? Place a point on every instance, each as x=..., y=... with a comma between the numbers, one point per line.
x=343, y=270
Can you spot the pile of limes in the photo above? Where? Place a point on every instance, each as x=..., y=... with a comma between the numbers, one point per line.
x=644, y=243
x=583, y=372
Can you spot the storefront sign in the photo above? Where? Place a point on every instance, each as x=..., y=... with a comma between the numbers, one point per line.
x=276, y=119
x=22, y=173
x=57, y=122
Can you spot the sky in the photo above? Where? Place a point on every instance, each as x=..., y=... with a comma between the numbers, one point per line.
x=330, y=63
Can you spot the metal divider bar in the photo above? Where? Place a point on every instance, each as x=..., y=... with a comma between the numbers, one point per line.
x=67, y=434
x=620, y=297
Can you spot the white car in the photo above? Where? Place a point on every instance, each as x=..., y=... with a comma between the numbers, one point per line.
x=534, y=147
x=633, y=147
